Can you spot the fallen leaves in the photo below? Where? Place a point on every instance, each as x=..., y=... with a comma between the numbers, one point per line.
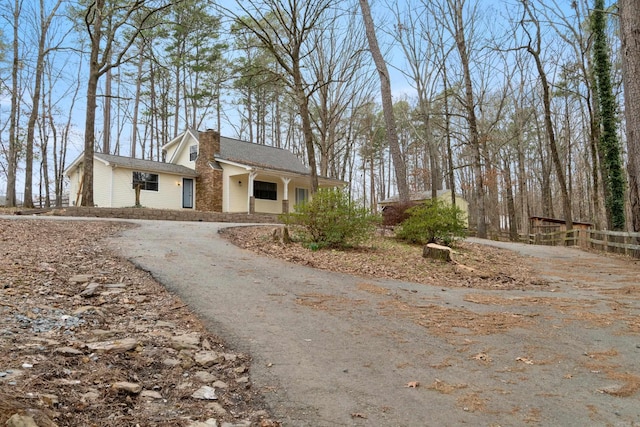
x=500, y=269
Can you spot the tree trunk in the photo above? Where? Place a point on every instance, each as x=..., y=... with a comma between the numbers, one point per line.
x=511, y=206
x=35, y=103
x=472, y=120
x=12, y=161
x=303, y=106
x=387, y=104
x=106, y=125
x=136, y=103
x=630, y=52
x=90, y=115
x=548, y=123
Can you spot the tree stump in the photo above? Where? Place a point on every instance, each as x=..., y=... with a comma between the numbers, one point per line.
x=433, y=251
x=281, y=235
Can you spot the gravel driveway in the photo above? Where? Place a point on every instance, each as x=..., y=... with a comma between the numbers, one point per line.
x=335, y=350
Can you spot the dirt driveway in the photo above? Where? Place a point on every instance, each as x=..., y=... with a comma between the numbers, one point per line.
x=335, y=350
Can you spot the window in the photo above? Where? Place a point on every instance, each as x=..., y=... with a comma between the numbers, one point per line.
x=193, y=153
x=302, y=195
x=147, y=181
x=265, y=190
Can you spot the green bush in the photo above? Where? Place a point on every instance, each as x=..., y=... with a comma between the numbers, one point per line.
x=331, y=219
x=433, y=221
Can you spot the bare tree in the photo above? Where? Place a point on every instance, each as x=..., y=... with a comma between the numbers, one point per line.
x=109, y=22
x=42, y=25
x=12, y=161
x=399, y=165
x=534, y=48
x=452, y=18
x=284, y=29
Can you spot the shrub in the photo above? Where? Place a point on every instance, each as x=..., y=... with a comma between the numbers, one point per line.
x=331, y=219
x=432, y=221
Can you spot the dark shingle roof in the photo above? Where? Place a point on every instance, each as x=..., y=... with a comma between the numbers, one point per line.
x=146, y=165
x=264, y=156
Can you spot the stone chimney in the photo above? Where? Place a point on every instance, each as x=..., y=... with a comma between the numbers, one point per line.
x=209, y=180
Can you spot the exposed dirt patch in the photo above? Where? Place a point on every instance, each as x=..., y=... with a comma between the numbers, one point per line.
x=88, y=339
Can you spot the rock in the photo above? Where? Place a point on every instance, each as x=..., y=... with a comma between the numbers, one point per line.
x=114, y=346
x=245, y=423
x=80, y=278
x=220, y=384
x=106, y=334
x=205, y=393
x=186, y=361
x=217, y=409
x=204, y=376
x=208, y=358
x=90, y=290
x=51, y=400
x=230, y=357
x=68, y=351
x=132, y=388
x=171, y=362
x=242, y=380
x=87, y=308
x=18, y=420
x=150, y=394
x=188, y=341
x=211, y=422
x=163, y=324
x=90, y=396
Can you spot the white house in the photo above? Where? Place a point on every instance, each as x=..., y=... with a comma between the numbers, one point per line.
x=201, y=171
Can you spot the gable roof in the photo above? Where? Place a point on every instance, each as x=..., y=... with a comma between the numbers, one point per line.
x=262, y=156
x=144, y=165
x=245, y=153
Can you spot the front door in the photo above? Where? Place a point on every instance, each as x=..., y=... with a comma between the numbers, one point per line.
x=187, y=193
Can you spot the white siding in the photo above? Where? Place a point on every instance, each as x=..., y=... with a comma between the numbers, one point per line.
x=102, y=184
x=183, y=155
x=235, y=187
x=168, y=196
x=74, y=186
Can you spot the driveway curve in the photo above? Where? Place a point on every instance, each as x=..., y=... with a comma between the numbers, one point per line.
x=330, y=349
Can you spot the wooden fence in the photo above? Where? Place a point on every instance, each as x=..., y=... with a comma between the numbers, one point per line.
x=607, y=241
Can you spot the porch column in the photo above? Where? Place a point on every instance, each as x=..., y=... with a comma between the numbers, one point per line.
x=251, y=201
x=285, y=197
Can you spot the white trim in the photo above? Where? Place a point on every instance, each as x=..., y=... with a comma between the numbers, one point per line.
x=252, y=177
x=230, y=163
x=286, y=182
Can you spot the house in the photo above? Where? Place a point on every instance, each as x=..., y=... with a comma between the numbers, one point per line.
x=201, y=171
x=421, y=196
